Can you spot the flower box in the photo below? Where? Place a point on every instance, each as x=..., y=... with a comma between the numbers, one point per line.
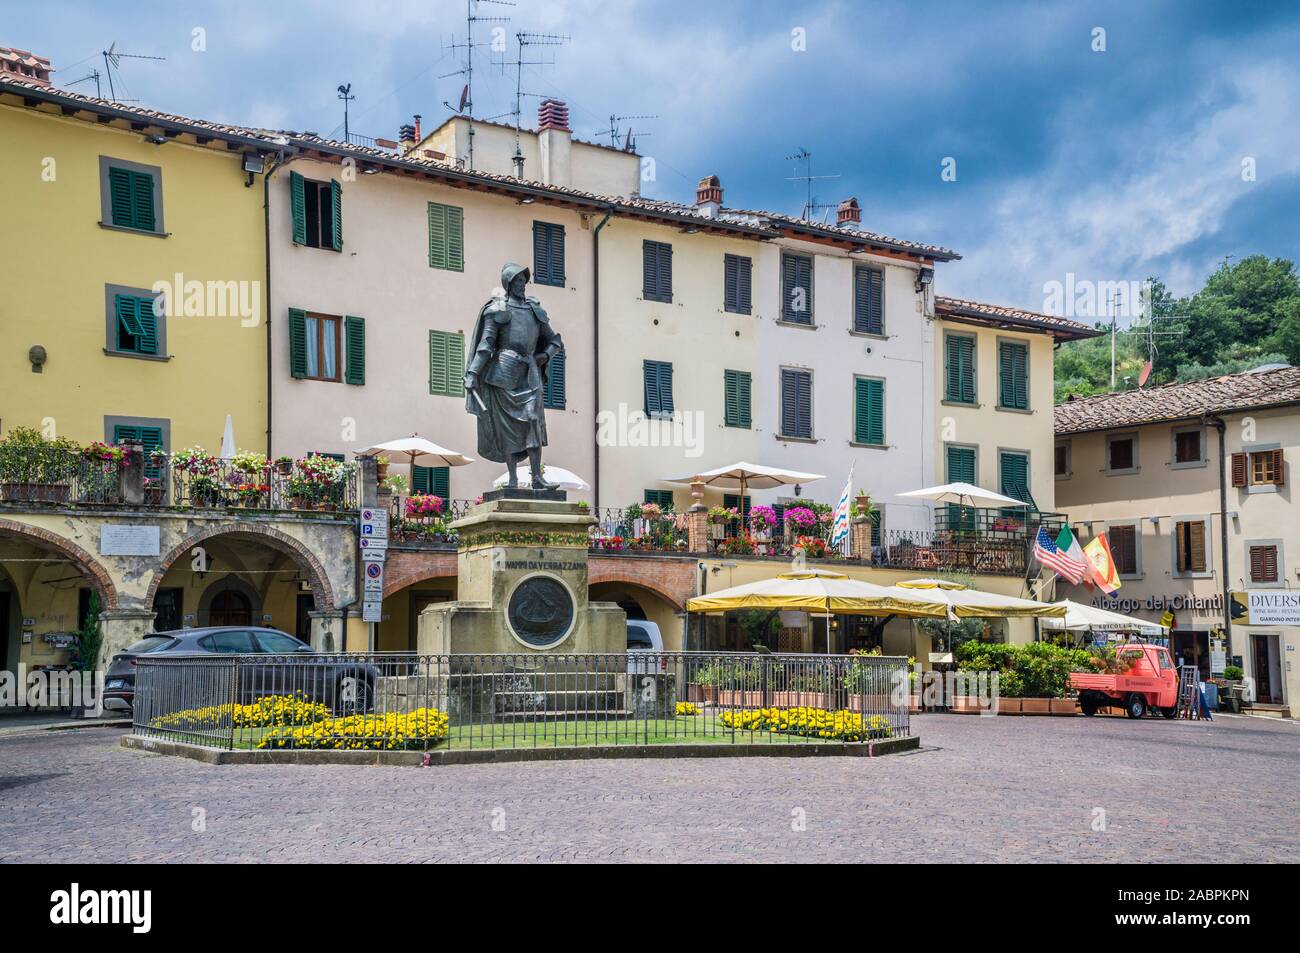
x=803, y=700
x=1035, y=706
x=1008, y=706
x=37, y=492
x=1065, y=706
x=737, y=698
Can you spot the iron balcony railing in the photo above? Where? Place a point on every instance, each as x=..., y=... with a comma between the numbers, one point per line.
x=404, y=701
x=58, y=476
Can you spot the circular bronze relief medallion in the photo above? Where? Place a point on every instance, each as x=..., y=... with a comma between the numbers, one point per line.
x=541, y=611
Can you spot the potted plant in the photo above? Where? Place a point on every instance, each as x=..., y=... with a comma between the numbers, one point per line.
x=251, y=464
x=381, y=468
x=36, y=469
x=395, y=484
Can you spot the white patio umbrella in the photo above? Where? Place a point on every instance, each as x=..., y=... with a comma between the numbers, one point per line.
x=562, y=478
x=752, y=475
x=1079, y=617
x=228, y=448
x=418, y=451
x=964, y=494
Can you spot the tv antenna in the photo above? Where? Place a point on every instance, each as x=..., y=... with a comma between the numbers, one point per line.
x=345, y=94
x=1156, y=327
x=810, y=205
x=93, y=74
x=466, y=107
x=629, y=141
x=113, y=61
x=526, y=39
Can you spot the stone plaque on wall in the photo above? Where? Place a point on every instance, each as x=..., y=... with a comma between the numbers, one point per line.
x=130, y=540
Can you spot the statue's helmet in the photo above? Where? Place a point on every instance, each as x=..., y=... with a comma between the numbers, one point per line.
x=510, y=271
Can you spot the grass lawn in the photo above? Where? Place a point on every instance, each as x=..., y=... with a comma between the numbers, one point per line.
x=703, y=729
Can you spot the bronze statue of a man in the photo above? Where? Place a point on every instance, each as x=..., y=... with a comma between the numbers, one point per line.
x=506, y=378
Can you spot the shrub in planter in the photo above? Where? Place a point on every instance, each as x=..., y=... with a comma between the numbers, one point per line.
x=33, y=468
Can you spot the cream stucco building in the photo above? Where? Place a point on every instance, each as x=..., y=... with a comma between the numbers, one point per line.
x=1190, y=484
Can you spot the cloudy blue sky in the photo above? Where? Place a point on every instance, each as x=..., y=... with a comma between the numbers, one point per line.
x=1109, y=165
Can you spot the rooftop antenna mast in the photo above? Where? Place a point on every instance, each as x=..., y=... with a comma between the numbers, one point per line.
x=614, y=131
x=526, y=39
x=93, y=74
x=113, y=61
x=810, y=206
x=466, y=107
x=1152, y=331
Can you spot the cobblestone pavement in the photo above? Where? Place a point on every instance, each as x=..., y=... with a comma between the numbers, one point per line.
x=981, y=789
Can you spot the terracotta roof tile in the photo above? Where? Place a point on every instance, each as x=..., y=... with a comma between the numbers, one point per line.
x=997, y=315
x=1180, y=401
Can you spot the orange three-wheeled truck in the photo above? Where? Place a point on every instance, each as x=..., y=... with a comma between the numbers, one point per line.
x=1151, y=682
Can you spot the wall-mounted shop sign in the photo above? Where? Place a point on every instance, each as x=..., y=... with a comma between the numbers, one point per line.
x=1269, y=606
x=1178, y=602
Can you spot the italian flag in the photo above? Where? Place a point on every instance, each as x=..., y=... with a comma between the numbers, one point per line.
x=1070, y=549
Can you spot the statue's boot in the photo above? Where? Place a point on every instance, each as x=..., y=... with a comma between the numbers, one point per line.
x=535, y=462
x=512, y=479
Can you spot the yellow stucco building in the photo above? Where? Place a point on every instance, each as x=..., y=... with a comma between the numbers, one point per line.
x=120, y=206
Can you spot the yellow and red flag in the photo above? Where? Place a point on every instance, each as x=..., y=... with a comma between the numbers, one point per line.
x=1101, y=565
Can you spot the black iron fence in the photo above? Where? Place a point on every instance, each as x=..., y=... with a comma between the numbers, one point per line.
x=403, y=701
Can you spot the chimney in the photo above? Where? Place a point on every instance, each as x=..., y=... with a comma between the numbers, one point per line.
x=553, y=114
x=708, y=196
x=554, y=143
x=848, y=215
x=409, y=134
x=24, y=67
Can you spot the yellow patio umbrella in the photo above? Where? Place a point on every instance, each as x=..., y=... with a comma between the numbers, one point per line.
x=824, y=592
x=967, y=603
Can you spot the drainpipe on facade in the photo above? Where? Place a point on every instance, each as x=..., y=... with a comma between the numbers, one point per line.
x=1218, y=424
x=595, y=347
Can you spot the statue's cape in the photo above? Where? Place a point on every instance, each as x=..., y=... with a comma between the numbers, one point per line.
x=498, y=309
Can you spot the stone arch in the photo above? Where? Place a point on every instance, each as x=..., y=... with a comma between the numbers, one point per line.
x=295, y=550
x=597, y=575
x=409, y=569
x=86, y=564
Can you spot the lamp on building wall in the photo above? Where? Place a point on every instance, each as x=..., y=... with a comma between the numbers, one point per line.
x=924, y=278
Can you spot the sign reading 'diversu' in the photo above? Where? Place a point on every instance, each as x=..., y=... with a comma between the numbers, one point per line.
x=1273, y=606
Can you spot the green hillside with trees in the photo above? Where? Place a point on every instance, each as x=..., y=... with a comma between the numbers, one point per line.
x=1247, y=314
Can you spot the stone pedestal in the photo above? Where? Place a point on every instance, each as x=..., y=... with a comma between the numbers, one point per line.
x=860, y=538
x=522, y=571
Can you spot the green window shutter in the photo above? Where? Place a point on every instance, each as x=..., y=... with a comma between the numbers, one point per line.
x=661, y=498
x=656, y=271
x=869, y=411
x=298, y=206
x=548, y=253
x=737, y=284
x=446, y=364
x=455, y=238
x=354, y=339
x=446, y=237
x=298, y=342
x=730, y=500
x=437, y=235
x=142, y=199
x=336, y=202
x=961, y=465
x=120, y=197
x=435, y=480
x=959, y=369
x=737, y=399
x=868, y=300
x=796, y=403
x=797, y=289
x=555, y=390
x=658, y=384
x=1013, y=375
x=1014, y=474
x=148, y=325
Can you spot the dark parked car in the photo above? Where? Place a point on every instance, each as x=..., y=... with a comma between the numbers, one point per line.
x=344, y=685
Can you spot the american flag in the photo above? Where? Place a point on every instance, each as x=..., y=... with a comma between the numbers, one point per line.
x=1049, y=554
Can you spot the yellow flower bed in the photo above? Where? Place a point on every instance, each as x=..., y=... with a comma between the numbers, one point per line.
x=688, y=708
x=271, y=711
x=809, y=723
x=421, y=728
